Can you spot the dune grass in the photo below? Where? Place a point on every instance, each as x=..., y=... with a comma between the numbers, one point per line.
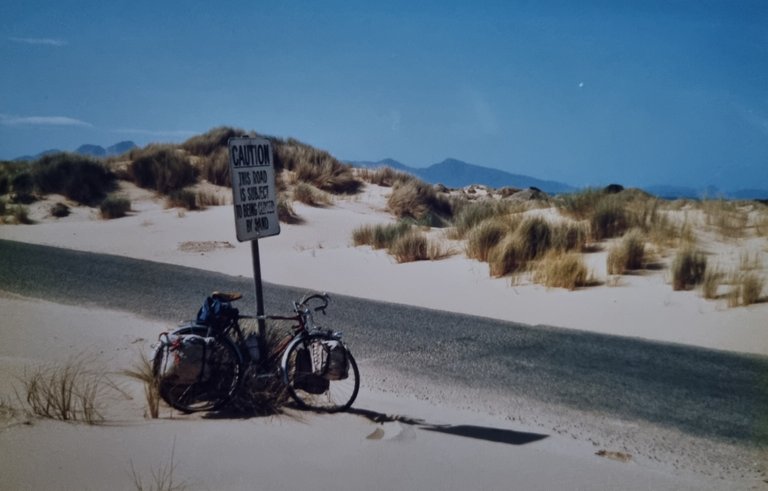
x=77, y=177
x=67, y=392
x=419, y=201
x=688, y=268
x=310, y=195
x=484, y=237
x=142, y=371
x=314, y=166
x=384, y=176
x=182, y=198
x=163, y=168
x=561, y=270
x=114, y=207
x=161, y=478
x=627, y=255
x=505, y=257
x=535, y=237
x=409, y=247
x=381, y=236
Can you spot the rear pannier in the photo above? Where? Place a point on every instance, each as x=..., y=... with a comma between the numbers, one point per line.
x=185, y=357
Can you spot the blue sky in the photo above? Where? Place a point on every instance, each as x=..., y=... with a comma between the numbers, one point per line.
x=586, y=93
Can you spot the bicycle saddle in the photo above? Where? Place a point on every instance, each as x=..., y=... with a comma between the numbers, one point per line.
x=227, y=296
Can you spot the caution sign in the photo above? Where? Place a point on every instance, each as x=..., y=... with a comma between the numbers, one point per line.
x=253, y=188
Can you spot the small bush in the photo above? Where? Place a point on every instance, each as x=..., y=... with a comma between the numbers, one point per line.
x=59, y=210
x=410, y=247
x=182, y=198
x=505, y=258
x=561, y=270
x=114, y=207
x=534, y=237
x=418, y=200
x=163, y=169
x=688, y=268
x=484, y=237
x=627, y=255
x=77, y=177
x=22, y=183
x=309, y=195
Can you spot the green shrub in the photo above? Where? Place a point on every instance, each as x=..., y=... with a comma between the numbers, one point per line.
x=534, y=237
x=114, y=207
x=77, y=177
x=561, y=270
x=688, y=268
x=410, y=247
x=484, y=237
x=163, y=169
x=182, y=198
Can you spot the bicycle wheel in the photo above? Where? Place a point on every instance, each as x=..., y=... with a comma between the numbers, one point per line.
x=316, y=391
x=211, y=391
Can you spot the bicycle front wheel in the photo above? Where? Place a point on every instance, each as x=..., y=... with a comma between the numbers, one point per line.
x=311, y=389
x=214, y=388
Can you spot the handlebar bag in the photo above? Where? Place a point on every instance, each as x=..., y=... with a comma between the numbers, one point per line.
x=216, y=313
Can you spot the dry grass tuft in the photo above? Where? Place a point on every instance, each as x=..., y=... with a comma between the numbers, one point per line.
x=471, y=214
x=314, y=166
x=688, y=268
x=70, y=392
x=161, y=479
x=384, y=176
x=310, y=195
x=711, y=283
x=142, y=371
x=163, y=168
x=726, y=217
x=114, y=207
x=570, y=236
x=747, y=289
x=380, y=236
x=534, y=237
x=285, y=212
x=419, y=201
x=505, y=258
x=484, y=237
x=561, y=270
x=627, y=255
x=410, y=247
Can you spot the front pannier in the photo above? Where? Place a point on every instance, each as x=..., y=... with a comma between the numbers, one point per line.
x=184, y=358
x=336, y=362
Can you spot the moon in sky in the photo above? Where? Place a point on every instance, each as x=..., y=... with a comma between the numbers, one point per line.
x=581, y=84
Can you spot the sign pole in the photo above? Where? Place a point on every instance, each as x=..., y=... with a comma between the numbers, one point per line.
x=259, y=295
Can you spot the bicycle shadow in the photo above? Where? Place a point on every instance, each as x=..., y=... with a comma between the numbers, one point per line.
x=485, y=433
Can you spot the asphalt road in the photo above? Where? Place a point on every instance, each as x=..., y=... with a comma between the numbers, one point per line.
x=699, y=392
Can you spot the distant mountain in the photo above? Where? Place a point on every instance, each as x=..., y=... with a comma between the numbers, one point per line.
x=91, y=150
x=455, y=173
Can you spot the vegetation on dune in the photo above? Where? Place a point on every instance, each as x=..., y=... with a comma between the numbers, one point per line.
x=384, y=176
x=627, y=255
x=79, y=178
x=162, y=168
x=417, y=200
x=114, y=207
x=688, y=268
x=561, y=270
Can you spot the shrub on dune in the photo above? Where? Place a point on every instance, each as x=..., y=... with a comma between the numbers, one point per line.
x=418, y=200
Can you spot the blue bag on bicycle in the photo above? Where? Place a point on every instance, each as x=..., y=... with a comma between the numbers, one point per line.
x=215, y=313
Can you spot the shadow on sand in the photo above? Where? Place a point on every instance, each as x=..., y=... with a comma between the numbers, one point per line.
x=497, y=435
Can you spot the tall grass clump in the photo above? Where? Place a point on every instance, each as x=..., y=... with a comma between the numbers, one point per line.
x=484, y=237
x=746, y=289
x=212, y=141
x=114, y=207
x=384, y=176
x=409, y=247
x=70, y=392
x=182, y=198
x=163, y=169
x=215, y=167
x=561, y=270
x=688, y=268
x=381, y=236
x=470, y=214
x=77, y=177
x=505, y=258
x=314, y=166
x=143, y=372
x=727, y=218
x=310, y=195
x=569, y=236
x=627, y=255
x=711, y=283
x=419, y=201
x=534, y=237
x=580, y=205
x=285, y=212
x=609, y=218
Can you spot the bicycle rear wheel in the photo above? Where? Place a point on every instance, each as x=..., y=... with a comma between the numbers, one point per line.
x=211, y=391
x=316, y=391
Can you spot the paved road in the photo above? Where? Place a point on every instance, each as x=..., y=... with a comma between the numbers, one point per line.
x=699, y=392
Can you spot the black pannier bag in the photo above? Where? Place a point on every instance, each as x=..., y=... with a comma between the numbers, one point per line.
x=306, y=377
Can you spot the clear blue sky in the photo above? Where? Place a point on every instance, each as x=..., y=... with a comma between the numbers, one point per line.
x=586, y=93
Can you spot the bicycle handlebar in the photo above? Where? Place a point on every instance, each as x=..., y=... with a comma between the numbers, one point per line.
x=301, y=304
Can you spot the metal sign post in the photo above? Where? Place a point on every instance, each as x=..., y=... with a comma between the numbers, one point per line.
x=254, y=196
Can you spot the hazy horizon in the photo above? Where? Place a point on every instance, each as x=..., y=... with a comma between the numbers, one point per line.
x=641, y=94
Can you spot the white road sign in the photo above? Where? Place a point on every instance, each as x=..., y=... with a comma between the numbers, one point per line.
x=253, y=188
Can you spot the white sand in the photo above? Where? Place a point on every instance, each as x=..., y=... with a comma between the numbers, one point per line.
x=319, y=255
x=334, y=452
